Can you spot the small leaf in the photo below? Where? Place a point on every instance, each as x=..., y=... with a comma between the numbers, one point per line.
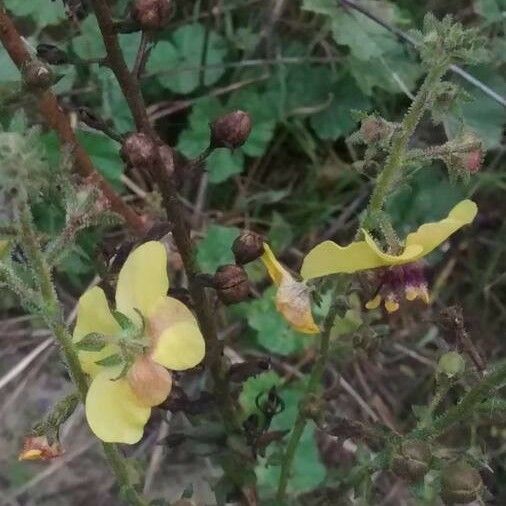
x=123, y=321
x=91, y=342
x=111, y=360
x=215, y=249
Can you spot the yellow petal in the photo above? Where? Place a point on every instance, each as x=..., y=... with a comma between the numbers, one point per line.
x=93, y=315
x=410, y=253
x=374, y=302
x=431, y=235
x=330, y=258
x=294, y=303
x=167, y=312
x=180, y=347
x=391, y=305
x=411, y=293
x=150, y=381
x=143, y=280
x=113, y=412
x=274, y=268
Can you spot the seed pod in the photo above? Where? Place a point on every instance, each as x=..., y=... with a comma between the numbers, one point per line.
x=460, y=483
x=52, y=54
x=452, y=364
x=231, y=284
x=37, y=75
x=412, y=460
x=139, y=150
x=248, y=247
x=231, y=130
x=151, y=14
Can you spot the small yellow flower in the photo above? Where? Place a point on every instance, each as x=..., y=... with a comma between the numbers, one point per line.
x=292, y=297
x=330, y=258
x=118, y=409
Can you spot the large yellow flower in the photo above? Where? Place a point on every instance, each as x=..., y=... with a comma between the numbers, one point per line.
x=292, y=298
x=118, y=409
x=330, y=258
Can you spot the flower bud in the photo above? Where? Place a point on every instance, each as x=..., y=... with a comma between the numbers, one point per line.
x=460, y=483
x=139, y=150
x=248, y=247
x=452, y=364
x=151, y=14
x=412, y=460
x=231, y=130
x=150, y=381
x=231, y=284
x=52, y=54
x=37, y=75
x=39, y=448
x=374, y=129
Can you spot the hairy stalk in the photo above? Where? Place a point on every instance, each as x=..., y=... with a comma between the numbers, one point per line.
x=132, y=92
x=311, y=388
x=397, y=156
x=465, y=408
x=441, y=390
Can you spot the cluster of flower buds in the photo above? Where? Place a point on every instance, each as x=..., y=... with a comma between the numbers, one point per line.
x=231, y=130
x=411, y=460
x=231, y=281
x=398, y=282
x=460, y=483
x=151, y=15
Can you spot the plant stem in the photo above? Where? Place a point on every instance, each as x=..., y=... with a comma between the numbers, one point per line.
x=313, y=383
x=396, y=158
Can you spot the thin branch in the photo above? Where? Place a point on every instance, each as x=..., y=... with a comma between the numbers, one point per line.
x=58, y=121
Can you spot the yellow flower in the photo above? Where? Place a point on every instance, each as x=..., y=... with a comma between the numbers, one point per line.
x=118, y=409
x=330, y=258
x=292, y=297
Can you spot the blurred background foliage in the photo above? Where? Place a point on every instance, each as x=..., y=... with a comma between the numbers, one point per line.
x=304, y=72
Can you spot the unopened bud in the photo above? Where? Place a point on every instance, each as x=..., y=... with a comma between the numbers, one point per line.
x=139, y=150
x=37, y=75
x=412, y=460
x=248, y=247
x=231, y=284
x=151, y=14
x=52, y=54
x=231, y=130
x=39, y=448
x=460, y=483
x=150, y=381
x=452, y=364
x=374, y=129
x=472, y=161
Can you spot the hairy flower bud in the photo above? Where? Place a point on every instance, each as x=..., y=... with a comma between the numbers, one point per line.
x=231, y=130
x=151, y=14
x=248, y=247
x=460, y=483
x=411, y=461
x=374, y=129
x=150, y=381
x=37, y=75
x=39, y=448
x=452, y=364
x=52, y=54
x=139, y=150
x=231, y=284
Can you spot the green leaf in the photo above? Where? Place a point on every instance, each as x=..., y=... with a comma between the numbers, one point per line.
x=91, y=342
x=281, y=232
x=43, y=12
x=223, y=164
x=111, y=360
x=272, y=330
x=89, y=44
x=255, y=386
x=183, y=57
x=215, y=249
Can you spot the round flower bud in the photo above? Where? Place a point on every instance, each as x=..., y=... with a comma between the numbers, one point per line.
x=231, y=284
x=139, y=150
x=37, y=75
x=374, y=129
x=452, y=364
x=231, y=130
x=412, y=460
x=460, y=483
x=151, y=14
x=248, y=247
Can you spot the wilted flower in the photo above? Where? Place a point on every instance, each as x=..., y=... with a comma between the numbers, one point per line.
x=39, y=448
x=330, y=258
x=119, y=405
x=293, y=297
